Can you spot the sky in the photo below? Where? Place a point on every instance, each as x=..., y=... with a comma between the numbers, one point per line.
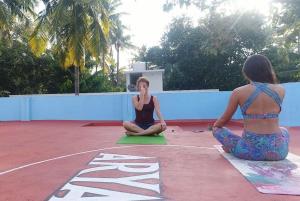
x=147, y=22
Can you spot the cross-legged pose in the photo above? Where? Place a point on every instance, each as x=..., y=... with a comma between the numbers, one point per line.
x=260, y=103
x=144, y=105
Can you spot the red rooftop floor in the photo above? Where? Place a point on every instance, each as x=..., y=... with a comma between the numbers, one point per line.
x=38, y=158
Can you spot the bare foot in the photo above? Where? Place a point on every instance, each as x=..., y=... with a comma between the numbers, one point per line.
x=129, y=133
x=225, y=149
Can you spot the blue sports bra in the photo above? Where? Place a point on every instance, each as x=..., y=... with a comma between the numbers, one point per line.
x=261, y=88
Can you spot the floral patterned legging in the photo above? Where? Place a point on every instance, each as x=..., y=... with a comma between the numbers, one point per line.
x=252, y=146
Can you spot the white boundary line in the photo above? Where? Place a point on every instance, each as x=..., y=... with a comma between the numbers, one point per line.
x=95, y=150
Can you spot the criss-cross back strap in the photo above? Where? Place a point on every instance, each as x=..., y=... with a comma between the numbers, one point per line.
x=261, y=88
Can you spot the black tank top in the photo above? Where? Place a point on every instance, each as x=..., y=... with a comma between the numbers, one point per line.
x=145, y=116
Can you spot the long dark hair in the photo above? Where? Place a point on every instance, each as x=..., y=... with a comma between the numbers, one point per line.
x=258, y=68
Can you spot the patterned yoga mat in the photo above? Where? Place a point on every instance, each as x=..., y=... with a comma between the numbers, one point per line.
x=271, y=177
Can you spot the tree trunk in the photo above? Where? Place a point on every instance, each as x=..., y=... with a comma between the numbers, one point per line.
x=76, y=74
x=118, y=64
x=103, y=63
x=299, y=43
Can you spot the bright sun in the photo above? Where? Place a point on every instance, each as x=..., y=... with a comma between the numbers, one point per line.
x=261, y=6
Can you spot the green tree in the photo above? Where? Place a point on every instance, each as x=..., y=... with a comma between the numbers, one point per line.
x=73, y=28
x=141, y=54
x=287, y=23
x=21, y=72
x=12, y=12
x=156, y=56
x=285, y=63
x=200, y=57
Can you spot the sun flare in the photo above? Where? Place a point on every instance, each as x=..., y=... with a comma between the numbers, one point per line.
x=261, y=6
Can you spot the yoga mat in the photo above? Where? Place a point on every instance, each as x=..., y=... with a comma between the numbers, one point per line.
x=271, y=177
x=159, y=139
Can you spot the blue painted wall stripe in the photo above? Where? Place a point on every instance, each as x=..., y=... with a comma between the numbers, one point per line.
x=118, y=106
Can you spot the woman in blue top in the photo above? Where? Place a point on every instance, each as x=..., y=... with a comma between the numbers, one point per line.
x=260, y=103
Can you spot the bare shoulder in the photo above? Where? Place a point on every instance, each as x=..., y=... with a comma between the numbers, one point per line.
x=244, y=87
x=242, y=92
x=237, y=91
x=155, y=98
x=278, y=88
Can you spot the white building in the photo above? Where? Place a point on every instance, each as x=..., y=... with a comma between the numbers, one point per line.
x=139, y=69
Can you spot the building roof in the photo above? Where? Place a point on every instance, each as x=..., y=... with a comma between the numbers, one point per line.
x=145, y=71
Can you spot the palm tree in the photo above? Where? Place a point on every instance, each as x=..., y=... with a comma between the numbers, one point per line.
x=114, y=17
x=12, y=11
x=120, y=41
x=117, y=39
x=73, y=28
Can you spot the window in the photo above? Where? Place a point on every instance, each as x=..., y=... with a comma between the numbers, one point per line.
x=133, y=78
